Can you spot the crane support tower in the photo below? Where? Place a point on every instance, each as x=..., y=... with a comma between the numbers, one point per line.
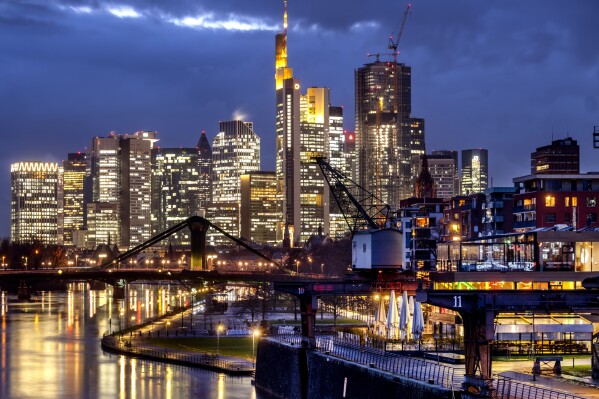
x=375, y=246
x=361, y=208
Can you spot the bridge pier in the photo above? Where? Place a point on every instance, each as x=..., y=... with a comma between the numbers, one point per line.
x=119, y=290
x=198, y=228
x=23, y=292
x=308, y=310
x=479, y=333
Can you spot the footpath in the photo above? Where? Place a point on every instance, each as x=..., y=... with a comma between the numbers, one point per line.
x=137, y=341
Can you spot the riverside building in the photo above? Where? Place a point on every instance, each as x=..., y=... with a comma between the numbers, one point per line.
x=35, y=214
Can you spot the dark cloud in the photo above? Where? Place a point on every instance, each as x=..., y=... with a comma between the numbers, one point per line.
x=502, y=75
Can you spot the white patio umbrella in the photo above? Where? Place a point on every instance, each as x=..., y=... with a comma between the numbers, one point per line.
x=380, y=318
x=404, y=318
x=392, y=318
x=418, y=323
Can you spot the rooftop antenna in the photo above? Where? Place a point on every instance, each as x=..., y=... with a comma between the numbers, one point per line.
x=285, y=17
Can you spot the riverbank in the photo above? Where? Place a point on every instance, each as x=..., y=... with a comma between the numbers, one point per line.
x=137, y=341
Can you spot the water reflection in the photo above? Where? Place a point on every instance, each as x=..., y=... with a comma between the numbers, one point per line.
x=50, y=347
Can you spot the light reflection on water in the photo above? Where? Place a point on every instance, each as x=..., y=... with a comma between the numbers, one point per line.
x=50, y=347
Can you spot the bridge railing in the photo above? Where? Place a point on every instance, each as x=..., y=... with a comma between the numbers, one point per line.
x=507, y=388
x=417, y=369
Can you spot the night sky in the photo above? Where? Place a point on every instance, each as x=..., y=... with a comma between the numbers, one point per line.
x=503, y=75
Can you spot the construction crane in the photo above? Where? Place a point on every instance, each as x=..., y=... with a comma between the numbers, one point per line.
x=360, y=208
x=394, y=44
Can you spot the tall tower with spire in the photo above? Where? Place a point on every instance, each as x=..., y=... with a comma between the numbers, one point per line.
x=287, y=139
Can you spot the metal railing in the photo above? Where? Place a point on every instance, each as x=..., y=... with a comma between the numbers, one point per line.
x=409, y=367
x=163, y=354
x=507, y=388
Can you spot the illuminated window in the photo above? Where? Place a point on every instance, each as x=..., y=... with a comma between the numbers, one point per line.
x=550, y=200
x=567, y=201
x=574, y=201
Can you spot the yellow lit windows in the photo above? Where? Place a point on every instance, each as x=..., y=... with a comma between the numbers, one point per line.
x=574, y=201
x=550, y=200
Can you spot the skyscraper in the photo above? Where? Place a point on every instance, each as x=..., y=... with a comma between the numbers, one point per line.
x=35, y=203
x=259, y=207
x=120, y=169
x=235, y=151
x=475, y=171
x=443, y=167
x=176, y=189
x=314, y=142
x=386, y=136
x=205, y=171
x=74, y=206
x=303, y=130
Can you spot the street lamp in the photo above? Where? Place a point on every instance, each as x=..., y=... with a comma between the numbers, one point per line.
x=25, y=258
x=254, y=335
x=219, y=328
x=167, y=324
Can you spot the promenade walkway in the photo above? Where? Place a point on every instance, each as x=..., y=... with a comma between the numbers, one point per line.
x=137, y=341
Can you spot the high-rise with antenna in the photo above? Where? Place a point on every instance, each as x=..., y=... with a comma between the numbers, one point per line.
x=287, y=138
x=302, y=132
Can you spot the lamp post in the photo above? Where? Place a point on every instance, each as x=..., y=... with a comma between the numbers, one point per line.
x=219, y=327
x=167, y=324
x=254, y=335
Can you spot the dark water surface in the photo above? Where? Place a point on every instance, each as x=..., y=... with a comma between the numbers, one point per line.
x=50, y=348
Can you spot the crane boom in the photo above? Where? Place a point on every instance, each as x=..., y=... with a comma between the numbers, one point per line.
x=393, y=44
x=361, y=209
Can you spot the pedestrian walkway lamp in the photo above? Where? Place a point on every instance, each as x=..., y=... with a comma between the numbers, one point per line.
x=254, y=335
x=167, y=324
x=219, y=328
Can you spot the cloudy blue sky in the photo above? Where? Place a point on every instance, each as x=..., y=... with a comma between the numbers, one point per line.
x=504, y=75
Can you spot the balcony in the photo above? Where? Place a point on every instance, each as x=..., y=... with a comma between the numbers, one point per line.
x=525, y=224
x=525, y=208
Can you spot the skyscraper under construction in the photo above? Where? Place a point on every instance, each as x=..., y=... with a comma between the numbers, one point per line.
x=385, y=135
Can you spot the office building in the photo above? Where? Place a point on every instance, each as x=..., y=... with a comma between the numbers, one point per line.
x=176, y=189
x=101, y=226
x=35, y=203
x=386, y=136
x=314, y=142
x=417, y=146
x=73, y=195
x=259, y=207
x=475, y=171
x=120, y=170
x=302, y=132
x=235, y=151
x=560, y=157
x=205, y=171
x=443, y=167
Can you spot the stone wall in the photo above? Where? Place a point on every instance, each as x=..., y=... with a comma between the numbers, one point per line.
x=288, y=371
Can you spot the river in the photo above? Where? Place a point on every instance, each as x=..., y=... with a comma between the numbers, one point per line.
x=50, y=348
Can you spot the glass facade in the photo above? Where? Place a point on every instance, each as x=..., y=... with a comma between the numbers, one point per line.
x=235, y=151
x=73, y=201
x=35, y=188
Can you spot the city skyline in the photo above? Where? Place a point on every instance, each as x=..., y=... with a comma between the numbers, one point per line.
x=74, y=71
